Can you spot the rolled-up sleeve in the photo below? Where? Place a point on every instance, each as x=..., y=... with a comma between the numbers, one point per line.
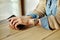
x=33, y=15
x=44, y=22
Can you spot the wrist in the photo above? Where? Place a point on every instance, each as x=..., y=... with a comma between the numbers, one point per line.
x=34, y=22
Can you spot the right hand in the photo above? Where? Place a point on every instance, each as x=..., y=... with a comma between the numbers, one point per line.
x=14, y=21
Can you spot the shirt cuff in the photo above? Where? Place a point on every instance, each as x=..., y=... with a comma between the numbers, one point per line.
x=34, y=15
x=44, y=22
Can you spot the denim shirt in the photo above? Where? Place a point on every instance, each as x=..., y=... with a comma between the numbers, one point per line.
x=51, y=8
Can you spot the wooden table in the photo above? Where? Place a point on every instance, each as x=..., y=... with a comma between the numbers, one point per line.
x=34, y=33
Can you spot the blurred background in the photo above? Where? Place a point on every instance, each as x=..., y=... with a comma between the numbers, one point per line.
x=16, y=7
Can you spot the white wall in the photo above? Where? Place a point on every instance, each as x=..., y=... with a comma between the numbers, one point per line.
x=8, y=8
x=30, y=5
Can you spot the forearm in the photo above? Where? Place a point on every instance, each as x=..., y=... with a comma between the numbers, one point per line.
x=41, y=23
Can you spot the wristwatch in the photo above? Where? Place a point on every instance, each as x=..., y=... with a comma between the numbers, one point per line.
x=36, y=21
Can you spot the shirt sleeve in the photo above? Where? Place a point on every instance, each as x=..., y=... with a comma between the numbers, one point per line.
x=44, y=22
x=33, y=15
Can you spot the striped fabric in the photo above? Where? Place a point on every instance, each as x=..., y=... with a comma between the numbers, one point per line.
x=50, y=10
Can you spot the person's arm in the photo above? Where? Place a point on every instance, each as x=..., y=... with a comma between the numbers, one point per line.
x=51, y=22
x=39, y=11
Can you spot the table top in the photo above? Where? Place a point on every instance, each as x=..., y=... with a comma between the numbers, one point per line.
x=33, y=33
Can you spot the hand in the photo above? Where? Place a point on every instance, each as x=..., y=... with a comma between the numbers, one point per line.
x=13, y=22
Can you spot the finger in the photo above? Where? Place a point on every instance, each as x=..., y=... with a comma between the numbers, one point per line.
x=9, y=20
x=12, y=18
x=15, y=22
x=18, y=20
x=12, y=21
x=11, y=26
x=16, y=25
